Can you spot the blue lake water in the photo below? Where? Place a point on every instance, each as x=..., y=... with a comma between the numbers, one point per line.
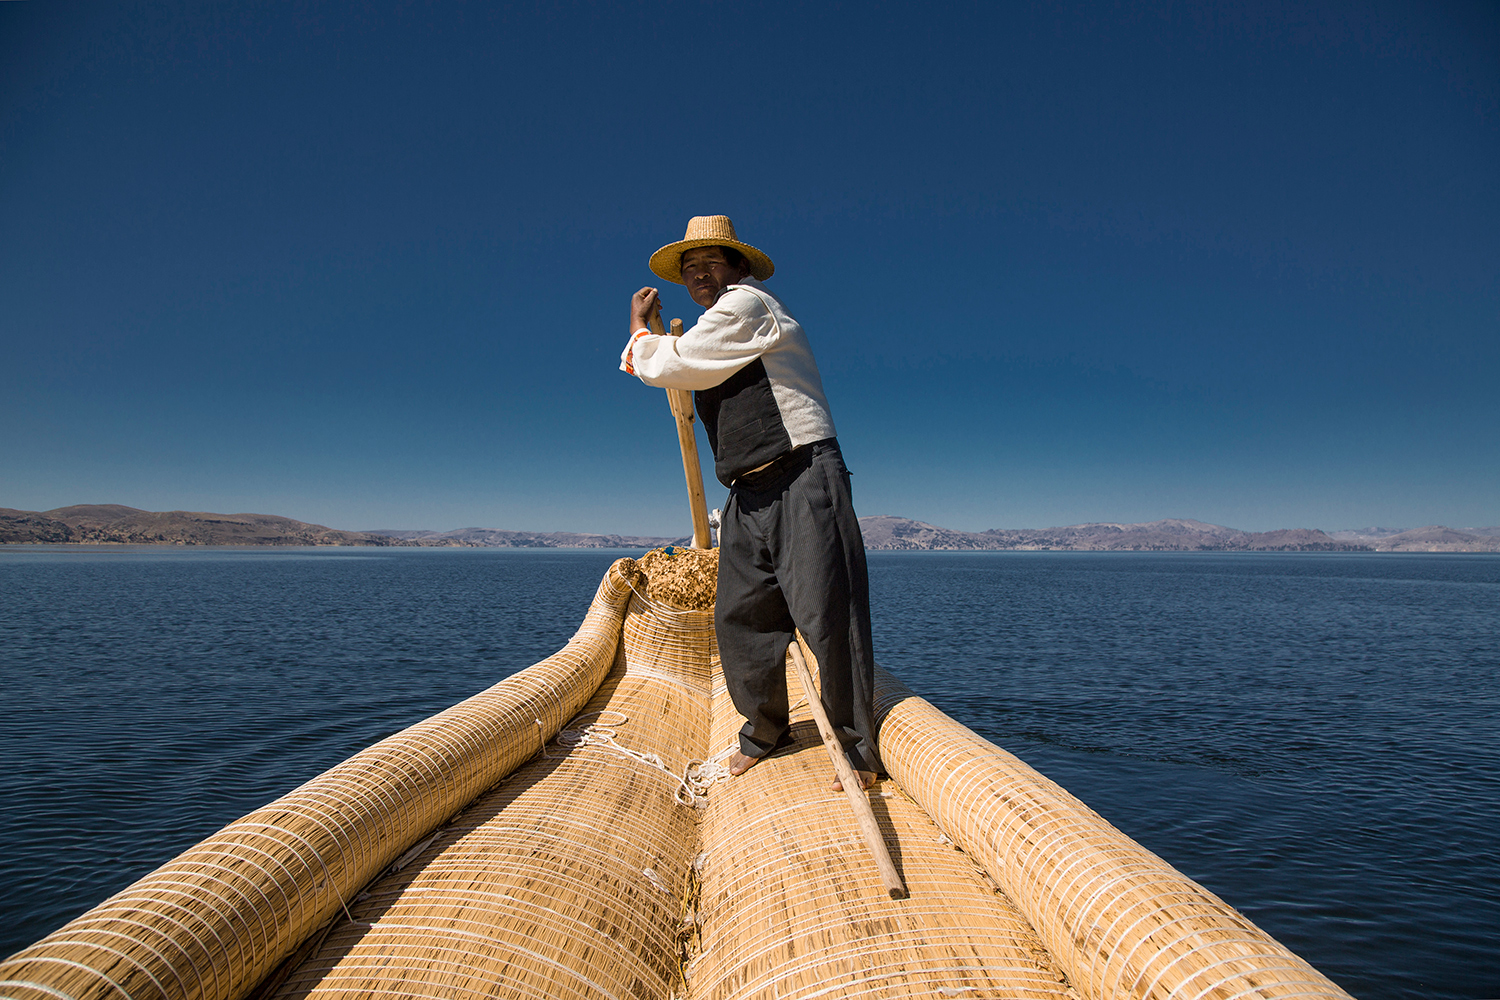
x=1312, y=736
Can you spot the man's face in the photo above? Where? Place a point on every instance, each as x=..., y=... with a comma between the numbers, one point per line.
x=706, y=273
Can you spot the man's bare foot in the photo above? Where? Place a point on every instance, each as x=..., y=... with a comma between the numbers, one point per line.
x=739, y=763
x=866, y=781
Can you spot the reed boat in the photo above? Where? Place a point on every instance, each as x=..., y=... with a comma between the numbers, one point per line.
x=566, y=834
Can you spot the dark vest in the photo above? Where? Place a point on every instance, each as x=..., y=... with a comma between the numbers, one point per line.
x=743, y=422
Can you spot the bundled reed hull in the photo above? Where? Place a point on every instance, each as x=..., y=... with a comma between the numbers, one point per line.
x=215, y=921
x=584, y=870
x=793, y=905
x=565, y=880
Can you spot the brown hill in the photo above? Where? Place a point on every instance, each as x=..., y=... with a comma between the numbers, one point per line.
x=114, y=524
x=22, y=526
x=94, y=515
x=117, y=524
x=1437, y=538
x=883, y=531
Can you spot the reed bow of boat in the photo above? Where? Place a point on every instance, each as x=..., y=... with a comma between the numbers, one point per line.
x=566, y=833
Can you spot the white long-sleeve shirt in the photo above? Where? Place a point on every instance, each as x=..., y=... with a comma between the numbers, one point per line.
x=749, y=362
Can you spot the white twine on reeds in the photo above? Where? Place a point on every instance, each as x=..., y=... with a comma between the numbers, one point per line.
x=661, y=607
x=693, y=784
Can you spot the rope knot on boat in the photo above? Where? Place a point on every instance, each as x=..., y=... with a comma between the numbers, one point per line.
x=693, y=784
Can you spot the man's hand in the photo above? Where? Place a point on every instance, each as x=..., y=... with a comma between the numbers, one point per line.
x=643, y=305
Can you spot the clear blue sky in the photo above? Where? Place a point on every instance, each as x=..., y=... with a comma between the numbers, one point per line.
x=369, y=267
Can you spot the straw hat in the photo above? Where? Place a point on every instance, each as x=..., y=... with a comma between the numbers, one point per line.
x=708, y=231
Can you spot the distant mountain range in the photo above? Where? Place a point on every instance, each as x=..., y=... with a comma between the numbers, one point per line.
x=1173, y=535
x=498, y=538
x=115, y=524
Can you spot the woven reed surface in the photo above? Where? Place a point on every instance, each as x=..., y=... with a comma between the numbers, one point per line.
x=574, y=876
x=791, y=904
x=1119, y=920
x=213, y=922
x=566, y=881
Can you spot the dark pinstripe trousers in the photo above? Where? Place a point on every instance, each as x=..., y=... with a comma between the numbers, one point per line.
x=791, y=557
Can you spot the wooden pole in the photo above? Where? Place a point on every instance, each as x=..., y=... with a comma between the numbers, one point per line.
x=681, y=403
x=864, y=816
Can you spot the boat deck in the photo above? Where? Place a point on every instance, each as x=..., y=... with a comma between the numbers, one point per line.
x=584, y=875
x=793, y=906
x=540, y=840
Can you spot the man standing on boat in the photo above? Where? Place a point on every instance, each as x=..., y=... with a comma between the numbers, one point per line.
x=790, y=551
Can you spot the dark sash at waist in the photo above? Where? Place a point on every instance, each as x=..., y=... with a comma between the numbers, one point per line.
x=784, y=467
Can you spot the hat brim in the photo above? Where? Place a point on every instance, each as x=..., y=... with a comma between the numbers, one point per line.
x=667, y=262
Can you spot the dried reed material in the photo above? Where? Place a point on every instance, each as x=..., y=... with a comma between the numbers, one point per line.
x=791, y=904
x=567, y=881
x=1119, y=920
x=683, y=578
x=582, y=876
x=215, y=920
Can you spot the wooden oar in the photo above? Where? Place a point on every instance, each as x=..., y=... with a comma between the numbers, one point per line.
x=854, y=791
x=681, y=403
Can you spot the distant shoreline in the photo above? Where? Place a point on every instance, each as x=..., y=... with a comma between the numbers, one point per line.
x=885, y=532
x=114, y=524
x=261, y=546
